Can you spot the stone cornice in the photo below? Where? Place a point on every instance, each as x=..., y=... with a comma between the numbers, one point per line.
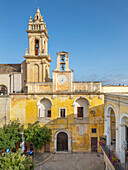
x=56, y=93
x=38, y=31
x=37, y=57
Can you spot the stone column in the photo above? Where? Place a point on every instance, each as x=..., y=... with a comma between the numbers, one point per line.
x=40, y=72
x=58, y=62
x=48, y=70
x=121, y=143
x=105, y=118
x=44, y=71
x=46, y=46
x=42, y=43
x=32, y=46
x=108, y=130
x=67, y=62
x=28, y=70
x=40, y=49
x=117, y=128
x=29, y=36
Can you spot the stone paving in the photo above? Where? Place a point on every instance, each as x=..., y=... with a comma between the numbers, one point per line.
x=74, y=161
x=40, y=157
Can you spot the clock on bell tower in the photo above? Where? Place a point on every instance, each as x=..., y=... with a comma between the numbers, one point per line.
x=62, y=75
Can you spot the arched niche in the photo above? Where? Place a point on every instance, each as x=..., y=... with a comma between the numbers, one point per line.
x=44, y=107
x=81, y=107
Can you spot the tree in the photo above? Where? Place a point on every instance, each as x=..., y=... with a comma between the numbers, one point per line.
x=10, y=134
x=37, y=135
x=15, y=161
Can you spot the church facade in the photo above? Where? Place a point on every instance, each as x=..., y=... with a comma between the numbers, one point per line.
x=73, y=110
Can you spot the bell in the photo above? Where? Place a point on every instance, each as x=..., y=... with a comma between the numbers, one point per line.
x=62, y=58
x=62, y=66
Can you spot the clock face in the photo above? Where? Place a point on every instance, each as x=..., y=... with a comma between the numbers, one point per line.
x=62, y=79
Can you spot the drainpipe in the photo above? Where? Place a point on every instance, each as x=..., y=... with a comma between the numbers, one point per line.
x=10, y=82
x=13, y=82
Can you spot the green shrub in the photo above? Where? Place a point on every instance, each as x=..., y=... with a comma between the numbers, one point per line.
x=16, y=161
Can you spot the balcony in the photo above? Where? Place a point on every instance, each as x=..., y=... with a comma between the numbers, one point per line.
x=44, y=119
x=108, y=158
x=81, y=120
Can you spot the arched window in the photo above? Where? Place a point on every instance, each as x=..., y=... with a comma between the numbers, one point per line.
x=111, y=125
x=45, y=108
x=36, y=46
x=81, y=107
x=3, y=90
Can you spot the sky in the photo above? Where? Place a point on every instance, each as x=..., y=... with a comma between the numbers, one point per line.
x=94, y=32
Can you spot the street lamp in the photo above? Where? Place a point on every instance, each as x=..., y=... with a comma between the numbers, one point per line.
x=23, y=140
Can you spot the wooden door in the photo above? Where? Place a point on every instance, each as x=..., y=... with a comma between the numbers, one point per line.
x=79, y=111
x=93, y=144
x=62, y=142
x=46, y=147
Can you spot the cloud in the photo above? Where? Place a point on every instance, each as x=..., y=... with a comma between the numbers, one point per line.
x=115, y=79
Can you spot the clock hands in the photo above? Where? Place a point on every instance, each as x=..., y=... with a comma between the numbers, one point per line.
x=62, y=79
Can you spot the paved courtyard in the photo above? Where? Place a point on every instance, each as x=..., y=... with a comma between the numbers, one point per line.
x=75, y=161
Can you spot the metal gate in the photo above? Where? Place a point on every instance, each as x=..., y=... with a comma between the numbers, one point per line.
x=62, y=142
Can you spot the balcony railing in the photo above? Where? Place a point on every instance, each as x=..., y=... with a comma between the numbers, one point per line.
x=109, y=153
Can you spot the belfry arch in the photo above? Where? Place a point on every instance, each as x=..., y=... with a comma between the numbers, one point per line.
x=36, y=47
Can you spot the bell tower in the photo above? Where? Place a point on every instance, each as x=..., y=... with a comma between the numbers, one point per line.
x=37, y=35
x=62, y=75
x=36, y=66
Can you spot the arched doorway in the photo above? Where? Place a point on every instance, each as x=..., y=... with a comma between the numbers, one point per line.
x=62, y=142
x=111, y=126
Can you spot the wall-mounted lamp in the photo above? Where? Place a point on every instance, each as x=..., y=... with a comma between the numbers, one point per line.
x=93, y=112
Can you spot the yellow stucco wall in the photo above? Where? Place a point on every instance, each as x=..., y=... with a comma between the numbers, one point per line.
x=118, y=102
x=27, y=111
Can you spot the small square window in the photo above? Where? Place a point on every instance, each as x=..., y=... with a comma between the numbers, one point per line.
x=62, y=112
x=93, y=130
